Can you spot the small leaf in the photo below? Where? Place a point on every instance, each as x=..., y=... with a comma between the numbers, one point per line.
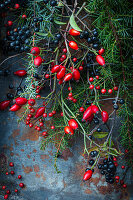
x=42, y=34
x=60, y=4
x=73, y=23
x=100, y=135
x=58, y=22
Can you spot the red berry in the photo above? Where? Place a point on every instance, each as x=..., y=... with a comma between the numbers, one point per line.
x=15, y=190
x=87, y=175
x=28, y=118
x=16, y=6
x=98, y=87
x=73, y=45
x=74, y=59
x=126, y=150
x=19, y=176
x=12, y=172
x=10, y=23
x=70, y=88
x=38, y=96
x=124, y=185
x=44, y=133
x=31, y=102
x=64, y=56
x=114, y=159
x=74, y=100
x=41, y=124
x=74, y=32
x=27, y=122
x=44, y=114
x=81, y=109
x=3, y=187
x=37, y=91
x=91, y=79
x=29, y=115
x=47, y=76
x=21, y=185
x=110, y=91
x=52, y=127
x=54, y=112
x=80, y=68
x=101, y=51
x=70, y=94
x=38, y=128
x=103, y=91
x=61, y=59
x=50, y=114
x=11, y=164
x=8, y=192
x=122, y=167
x=7, y=173
x=6, y=196
x=61, y=114
x=65, y=50
x=100, y=60
x=68, y=130
x=115, y=88
x=117, y=177
x=35, y=51
x=32, y=110
x=97, y=77
x=117, y=181
x=116, y=164
x=24, y=16
x=30, y=125
x=91, y=87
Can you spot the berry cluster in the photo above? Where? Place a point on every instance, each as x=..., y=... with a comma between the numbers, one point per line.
x=108, y=168
x=8, y=192
x=18, y=39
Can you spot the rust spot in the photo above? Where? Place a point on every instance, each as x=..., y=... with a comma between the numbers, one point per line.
x=17, y=154
x=22, y=150
x=37, y=175
x=27, y=169
x=43, y=157
x=66, y=154
x=95, y=180
x=28, y=156
x=105, y=189
x=36, y=168
x=34, y=151
x=15, y=133
x=64, y=183
x=30, y=134
x=87, y=191
x=43, y=177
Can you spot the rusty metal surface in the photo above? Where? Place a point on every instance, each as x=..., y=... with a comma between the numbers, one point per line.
x=21, y=145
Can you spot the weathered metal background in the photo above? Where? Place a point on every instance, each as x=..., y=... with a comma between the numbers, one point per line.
x=21, y=145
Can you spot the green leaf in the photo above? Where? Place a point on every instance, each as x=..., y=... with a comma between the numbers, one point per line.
x=100, y=135
x=60, y=4
x=42, y=34
x=58, y=22
x=74, y=24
